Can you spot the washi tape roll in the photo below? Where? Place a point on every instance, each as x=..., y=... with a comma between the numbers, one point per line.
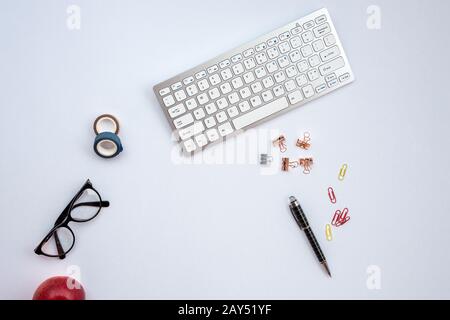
x=106, y=123
x=107, y=145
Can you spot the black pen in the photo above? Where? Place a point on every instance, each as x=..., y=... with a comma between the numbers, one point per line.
x=302, y=222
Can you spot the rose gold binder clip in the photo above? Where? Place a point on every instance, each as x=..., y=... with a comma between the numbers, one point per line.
x=306, y=164
x=281, y=143
x=331, y=195
x=286, y=164
x=340, y=217
x=305, y=142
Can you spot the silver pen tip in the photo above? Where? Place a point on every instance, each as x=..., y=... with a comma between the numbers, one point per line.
x=292, y=199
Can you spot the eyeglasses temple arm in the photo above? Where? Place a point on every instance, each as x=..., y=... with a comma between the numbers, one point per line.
x=59, y=247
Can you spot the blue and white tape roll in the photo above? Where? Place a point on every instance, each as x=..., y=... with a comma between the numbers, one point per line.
x=107, y=145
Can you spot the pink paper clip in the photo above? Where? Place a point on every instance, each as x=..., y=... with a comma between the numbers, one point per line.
x=331, y=195
x=340, y=218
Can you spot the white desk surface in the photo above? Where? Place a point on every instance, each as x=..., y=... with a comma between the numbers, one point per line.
x=186, y=231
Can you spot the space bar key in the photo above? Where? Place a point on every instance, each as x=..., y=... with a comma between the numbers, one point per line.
x=260, y=113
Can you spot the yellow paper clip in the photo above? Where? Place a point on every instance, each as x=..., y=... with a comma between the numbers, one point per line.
x=328, y=232
x=342, y=172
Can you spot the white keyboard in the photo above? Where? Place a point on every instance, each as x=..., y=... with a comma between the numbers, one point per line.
x=250, y=84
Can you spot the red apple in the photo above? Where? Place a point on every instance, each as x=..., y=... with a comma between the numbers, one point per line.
x=60, y=288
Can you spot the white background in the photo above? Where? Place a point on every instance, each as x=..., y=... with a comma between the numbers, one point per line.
x=223, y=231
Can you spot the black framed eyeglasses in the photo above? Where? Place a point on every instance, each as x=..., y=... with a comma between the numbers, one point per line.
x=84, y=207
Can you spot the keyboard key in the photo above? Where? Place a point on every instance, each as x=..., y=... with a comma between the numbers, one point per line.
x=313, y=75
x=279, y=76
x=273, y=53
x=169, y=101
x=236, y=58
x=320, y=88
x=296, y=42
x=260, y=113
x=278, y=91
x=176, y=111
x=272, y=66
x=212, y=135
x=261, y=58
x=210, y=122
x=224, y=64
x=284, y=47
x=308, y=91
x=329, y=40
x=344, y=77
x=295, y=56
x=183, y=121
x=191, y=104
x=245, y=92
x=191, y=131
x=272, y=42
x=199, y=113
x=321, y=19
x=296, y=30
x=201, y=140
x=200, y=75
x=237, y=82
x=285, y=36
x=330, y=77
x=301, y=80
x=322, y=30
x=250, y=63
x=332, y=83
x=222, y=103
x=260, y=72
x=221, y=117
x=283, y=61
x=256, y=87
x=248, y=52
x=225, y=88
x=308, y=25
x=233, y=112
x=164, y=91
x=249, y=77
x=314, y=60
x=203, y=98
x=211, y=108
x=225, y=129
x=307, y=36
x=180, y=95
x=233, y=98
x=213, y=69
x=215, y=79
x=291, y=71
x=303, y=66
x=268, y=82
x=318, y=45
x=267, y=96
x=332, y=66
x=214, y=93
x=244, y=106
x=226, y=74
x=188, y=80
x=203, y=84
x=330, y=53
x=295, y=97
x=256, y=101
x=238, y=69
x=192, y=90
x=289, y=85
x=176, y=86
x=306, y=51
x=189, y=145
x=261, y=47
